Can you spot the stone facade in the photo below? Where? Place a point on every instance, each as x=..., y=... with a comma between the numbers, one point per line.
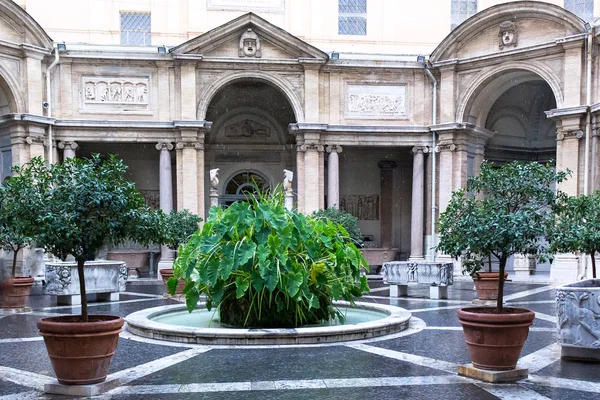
x=250, y=98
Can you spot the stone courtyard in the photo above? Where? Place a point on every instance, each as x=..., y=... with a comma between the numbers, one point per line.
x=418, y=363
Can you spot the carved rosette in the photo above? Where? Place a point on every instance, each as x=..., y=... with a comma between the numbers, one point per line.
x=164, y=146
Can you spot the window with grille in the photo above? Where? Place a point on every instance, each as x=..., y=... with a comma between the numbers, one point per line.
x=460, y=10
x=135, y=29
x=352, y=17
x=584, y=9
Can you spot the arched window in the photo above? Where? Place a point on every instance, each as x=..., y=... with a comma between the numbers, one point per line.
x=242, y=185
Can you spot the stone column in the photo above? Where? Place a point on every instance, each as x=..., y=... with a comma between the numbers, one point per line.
x=68, y=149
x=418, y=202
x=311, y=176
x=386, y=203
x=166, y=197
x=333, y=176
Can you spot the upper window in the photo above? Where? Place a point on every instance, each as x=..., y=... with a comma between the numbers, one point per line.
x=461, y=10
x=352, y=17
x=584, y=9
x=135, y=29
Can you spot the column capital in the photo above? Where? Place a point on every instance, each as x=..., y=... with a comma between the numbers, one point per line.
x=164, y=146
x=387, y=164
x=189, y=144
x=420, y=149
x=35, y=140
x=68, y=145
x=311, y=146
x=569, y=134
x=334, y=148
x=445, y=147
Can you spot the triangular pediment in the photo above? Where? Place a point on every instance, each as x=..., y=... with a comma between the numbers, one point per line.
x=274, y=42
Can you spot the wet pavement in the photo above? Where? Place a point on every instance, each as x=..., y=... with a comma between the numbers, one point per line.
x=419, y=363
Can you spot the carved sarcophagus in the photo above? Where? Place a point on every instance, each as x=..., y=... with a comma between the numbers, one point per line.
x=405, y=272
x=100, y=277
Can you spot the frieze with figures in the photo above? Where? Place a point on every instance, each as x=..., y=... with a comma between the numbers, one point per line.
x=117, y=93
x=362, y=207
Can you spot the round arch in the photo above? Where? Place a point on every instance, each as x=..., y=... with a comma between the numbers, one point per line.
x=273, y=80
x=11, y=89
x=488, y=81
x=241, y=183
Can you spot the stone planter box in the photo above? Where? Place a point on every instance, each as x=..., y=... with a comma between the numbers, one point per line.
x=103, y=278
x=379, y=256
x=578, y=310
x=399, y=274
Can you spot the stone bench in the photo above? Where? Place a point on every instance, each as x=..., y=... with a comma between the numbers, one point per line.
x=399, y=274
x=105, y=279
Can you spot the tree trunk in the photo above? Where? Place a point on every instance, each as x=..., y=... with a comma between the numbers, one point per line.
x=501, y=284
x=14, y=266
x=84, y=312
x=593, y=264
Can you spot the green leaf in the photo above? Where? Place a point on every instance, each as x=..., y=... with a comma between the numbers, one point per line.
x=293, y=283
x=172, y=285
x=191, y=299
x=257, y=281
x=271, y=278
x=241, y=284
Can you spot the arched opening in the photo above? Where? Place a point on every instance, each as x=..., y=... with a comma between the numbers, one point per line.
x=249, y=133
x=7, y=106
x=242, y=185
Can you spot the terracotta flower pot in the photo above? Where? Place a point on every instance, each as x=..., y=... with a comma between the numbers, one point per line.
x=165, y=274
x=81, y=351
x=14, y=292
x=495, y=341
x=486, y=284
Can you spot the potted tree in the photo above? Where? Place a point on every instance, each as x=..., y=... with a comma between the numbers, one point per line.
x=578, y=230
x=90, y=203
x=264, y=266
x=503, y=211
x=179, y=226
x=20, y=203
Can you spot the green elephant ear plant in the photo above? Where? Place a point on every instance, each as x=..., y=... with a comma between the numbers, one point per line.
x=347, y=220
x=89, y=204
x=502, y=212
x=264, y=266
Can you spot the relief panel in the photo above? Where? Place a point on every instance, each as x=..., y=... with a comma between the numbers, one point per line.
x=362, y=207
x=379, y=101
x=115, y=94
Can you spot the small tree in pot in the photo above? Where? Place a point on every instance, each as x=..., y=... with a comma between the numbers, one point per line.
x=503, y=211
x=90, y=204
x=21, y=198
x=179, y=226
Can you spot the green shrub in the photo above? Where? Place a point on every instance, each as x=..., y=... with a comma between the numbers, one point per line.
x=348, y=221
x=265, y=266
x=179, y=226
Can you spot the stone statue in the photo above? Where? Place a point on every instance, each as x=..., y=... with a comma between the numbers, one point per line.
x=288, y=177
x=249, y=45
x=214, y=180
x=507, y=35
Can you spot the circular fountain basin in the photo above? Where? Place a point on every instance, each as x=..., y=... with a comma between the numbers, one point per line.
x=174, y=323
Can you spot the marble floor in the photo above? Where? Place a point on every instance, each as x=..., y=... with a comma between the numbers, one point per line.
x=419, y=363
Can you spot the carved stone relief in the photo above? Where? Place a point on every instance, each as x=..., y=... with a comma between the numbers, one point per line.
x=507, y=35
x=246, y=129
x=152, y=198
x=115, y=93
x=403, y=273
x=249, y=45
x=578, y=309
x=375, y=101
x=362, y=207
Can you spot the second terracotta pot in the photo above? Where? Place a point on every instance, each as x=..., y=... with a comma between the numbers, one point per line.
x=486, y=284
x=165, y=274
x=495, y=340
x=81, y=351
x=14, y=292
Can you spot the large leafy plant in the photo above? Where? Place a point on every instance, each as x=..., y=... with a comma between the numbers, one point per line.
x=502, y=212
x=265, y=266
x=347, y=220
x=578, y=226
x=89, y=204
x=21, y=201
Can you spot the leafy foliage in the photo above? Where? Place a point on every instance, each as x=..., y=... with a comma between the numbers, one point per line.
x=89, y=204
x=180, y=225
x=348, y=221
x=21, y=199
x=578, y=226
x=265, y=266
x=503, y=211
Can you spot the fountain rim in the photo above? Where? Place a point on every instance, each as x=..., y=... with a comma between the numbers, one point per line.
x=139, y=323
